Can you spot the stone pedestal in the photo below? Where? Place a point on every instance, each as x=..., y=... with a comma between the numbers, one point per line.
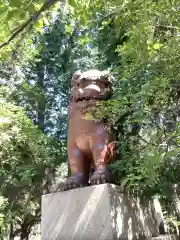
x=97, y=213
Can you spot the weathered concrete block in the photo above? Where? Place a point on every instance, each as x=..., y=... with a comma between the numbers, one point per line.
x=166, y=237
x=97, y=213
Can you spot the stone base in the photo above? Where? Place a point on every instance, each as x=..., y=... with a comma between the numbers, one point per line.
x=99, y=212
x=166, y=237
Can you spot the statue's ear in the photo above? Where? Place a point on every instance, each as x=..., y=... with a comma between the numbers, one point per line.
x=107, y=78
x=75, y=76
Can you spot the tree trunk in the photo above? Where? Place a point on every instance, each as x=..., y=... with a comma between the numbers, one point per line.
x=42, y=102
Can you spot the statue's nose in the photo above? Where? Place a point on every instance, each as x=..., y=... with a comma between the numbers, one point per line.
x=76, y=93
x=92, y=87
x=80, y=91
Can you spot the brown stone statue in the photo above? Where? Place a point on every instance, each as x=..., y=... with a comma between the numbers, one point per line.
x=90, y=145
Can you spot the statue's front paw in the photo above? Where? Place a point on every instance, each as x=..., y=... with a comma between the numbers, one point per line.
x=101, y=175
x=75, y=181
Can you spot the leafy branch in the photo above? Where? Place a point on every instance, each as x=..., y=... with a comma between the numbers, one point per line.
x=47, y=4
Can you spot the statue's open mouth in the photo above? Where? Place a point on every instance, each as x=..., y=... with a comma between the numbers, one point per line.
x=85, y=99
x=96, y=98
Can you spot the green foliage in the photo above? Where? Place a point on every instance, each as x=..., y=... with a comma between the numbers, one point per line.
x=20, y=21
x=3, y=204
x=25, y=154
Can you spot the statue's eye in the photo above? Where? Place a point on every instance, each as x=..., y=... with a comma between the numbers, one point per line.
x=106, y=84
x=77, y=85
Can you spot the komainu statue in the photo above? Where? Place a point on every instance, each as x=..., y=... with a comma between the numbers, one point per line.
x=90, y=145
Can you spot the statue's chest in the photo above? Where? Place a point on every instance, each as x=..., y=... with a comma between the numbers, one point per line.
x=78, y=125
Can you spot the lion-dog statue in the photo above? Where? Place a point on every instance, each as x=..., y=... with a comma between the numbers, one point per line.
x=90, y=145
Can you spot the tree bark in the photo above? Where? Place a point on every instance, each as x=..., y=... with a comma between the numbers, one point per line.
x=42, y=103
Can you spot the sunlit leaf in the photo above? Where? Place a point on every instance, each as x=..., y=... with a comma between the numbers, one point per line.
x=16, y=3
